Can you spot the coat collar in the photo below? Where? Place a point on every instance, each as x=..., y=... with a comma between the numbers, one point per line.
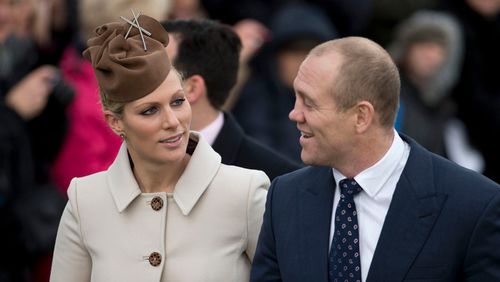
x=414, y=209
x=195, y=179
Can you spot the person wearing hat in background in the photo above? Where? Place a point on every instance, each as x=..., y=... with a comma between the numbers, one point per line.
x=207, y=55
x=266, y=99
x=166, y=209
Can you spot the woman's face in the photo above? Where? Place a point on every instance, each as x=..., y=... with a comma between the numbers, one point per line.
x=157, y=125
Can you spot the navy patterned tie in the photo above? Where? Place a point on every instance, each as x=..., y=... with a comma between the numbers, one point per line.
x=344, y=263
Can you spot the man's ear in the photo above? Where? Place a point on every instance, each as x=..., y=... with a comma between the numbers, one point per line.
x=195, y=88
x=113, y=122
x=365, y=113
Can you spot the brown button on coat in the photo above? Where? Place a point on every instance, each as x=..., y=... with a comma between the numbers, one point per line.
x=206, y=231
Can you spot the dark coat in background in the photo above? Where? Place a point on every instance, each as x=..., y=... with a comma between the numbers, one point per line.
x=236, y=148
x=265, y=101
x=478, y=91
x=29, y=213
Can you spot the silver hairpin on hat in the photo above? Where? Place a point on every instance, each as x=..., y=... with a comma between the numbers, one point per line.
x=135, y=23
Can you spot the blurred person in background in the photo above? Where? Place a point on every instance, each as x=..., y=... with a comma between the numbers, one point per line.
x=428, y=49
x=386, y=15
x=349, y=17
x=32, y=104
x=251, y=32
x=265, y=101
x=167, y=209
x=206, y=53
x=478, y=92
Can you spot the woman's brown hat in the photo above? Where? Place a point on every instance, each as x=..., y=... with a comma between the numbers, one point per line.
x=129, y=63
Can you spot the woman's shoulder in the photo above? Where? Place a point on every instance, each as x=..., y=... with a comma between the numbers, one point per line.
x=240, y=182
x=240, y=174
x=90, y=186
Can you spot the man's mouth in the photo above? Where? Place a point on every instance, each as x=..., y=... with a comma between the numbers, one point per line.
x=305, y=134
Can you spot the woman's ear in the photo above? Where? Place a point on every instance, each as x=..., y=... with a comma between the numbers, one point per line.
x=113, y=122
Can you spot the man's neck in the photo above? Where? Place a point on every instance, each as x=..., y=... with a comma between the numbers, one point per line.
x=202, y=117
x=367, y=154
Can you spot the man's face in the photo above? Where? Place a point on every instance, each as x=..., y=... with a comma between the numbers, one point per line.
x=171, y=48
x=326, y=132
x=424, y=59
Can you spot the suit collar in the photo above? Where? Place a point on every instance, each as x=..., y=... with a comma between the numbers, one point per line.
x=195, y=179
x=228, y=142
x=414, y=208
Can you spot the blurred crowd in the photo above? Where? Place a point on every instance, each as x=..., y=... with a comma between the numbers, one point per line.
x=52, y=128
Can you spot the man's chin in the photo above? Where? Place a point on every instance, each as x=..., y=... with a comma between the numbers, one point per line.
x=307, y=158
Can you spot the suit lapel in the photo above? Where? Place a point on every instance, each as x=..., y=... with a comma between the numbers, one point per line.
x=229, y=139
x=414, y=208
x=314, y=222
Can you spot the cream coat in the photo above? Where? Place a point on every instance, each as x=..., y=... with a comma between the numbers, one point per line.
x=206, y=230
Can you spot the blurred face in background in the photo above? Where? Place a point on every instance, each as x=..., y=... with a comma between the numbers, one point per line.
x=173, y=45
x=423, y=59
x=5, y=11
x=288, y=65
x=487, y=8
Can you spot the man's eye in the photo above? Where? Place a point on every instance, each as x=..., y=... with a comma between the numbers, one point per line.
x=149, y=111
x=308, y=103
x=178, y=102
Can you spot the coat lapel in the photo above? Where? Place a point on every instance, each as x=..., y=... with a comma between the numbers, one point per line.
x=315, y=211
x=121, y=180
x=197, y=176
x=414, y=209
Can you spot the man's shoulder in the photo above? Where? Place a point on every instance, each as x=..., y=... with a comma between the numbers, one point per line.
x=447, y=177
x=254, y=149
x=454, y=177
x=302, y=178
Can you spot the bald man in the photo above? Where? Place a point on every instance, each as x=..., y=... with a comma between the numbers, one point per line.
x=373, y=205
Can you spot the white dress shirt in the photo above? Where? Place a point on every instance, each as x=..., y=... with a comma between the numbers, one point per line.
x=378, y=183
x=211, y=131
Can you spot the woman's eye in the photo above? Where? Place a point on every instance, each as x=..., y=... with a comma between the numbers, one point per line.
x=178, y=102
x=149, y=111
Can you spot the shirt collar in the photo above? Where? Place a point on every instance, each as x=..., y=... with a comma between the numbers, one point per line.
x=211, y=131
x=373, y=179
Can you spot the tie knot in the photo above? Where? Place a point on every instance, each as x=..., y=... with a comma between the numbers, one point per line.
x=349, y=187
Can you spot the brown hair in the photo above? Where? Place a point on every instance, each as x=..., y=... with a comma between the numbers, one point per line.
x=367, y=73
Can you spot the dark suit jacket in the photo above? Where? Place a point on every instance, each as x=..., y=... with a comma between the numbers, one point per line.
x=238, y=149
x=443, y=224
